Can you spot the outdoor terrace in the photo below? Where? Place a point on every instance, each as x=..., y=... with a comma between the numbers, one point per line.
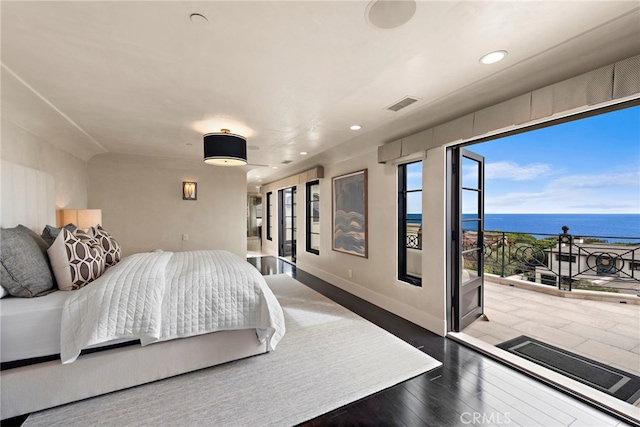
x=581, y=294
x=605, y=331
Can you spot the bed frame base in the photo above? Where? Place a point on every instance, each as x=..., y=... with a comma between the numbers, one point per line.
x=32, y=388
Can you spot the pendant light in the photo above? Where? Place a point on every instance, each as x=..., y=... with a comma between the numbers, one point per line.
x=225, y=149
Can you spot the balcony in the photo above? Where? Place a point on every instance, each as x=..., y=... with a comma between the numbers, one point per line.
x=577, y=293
x=606, y=331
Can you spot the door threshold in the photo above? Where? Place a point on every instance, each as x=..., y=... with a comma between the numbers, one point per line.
x=609, y=404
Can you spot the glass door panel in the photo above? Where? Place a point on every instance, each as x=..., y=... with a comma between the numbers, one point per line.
x=468, y=228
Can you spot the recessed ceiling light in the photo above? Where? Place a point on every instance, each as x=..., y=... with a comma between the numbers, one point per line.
x=199, y=19
x=274, y=167
x=303, y=153
x=355, y=127
x=493, y=57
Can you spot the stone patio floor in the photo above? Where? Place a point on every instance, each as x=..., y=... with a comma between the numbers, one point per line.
x=607, y=332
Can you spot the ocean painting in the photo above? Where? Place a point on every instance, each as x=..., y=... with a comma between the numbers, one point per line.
x=350, y=213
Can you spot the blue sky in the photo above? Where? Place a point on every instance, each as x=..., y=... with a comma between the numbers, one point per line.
x=590, y=165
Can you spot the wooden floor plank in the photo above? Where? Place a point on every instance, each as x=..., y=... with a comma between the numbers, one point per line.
x=531, y=396
x=461, y=407
x=584, y=415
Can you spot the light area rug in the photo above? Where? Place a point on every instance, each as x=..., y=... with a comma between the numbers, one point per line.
x=329, y=357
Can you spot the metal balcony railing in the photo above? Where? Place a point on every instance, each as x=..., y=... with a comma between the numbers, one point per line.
x=414, y=236
x=604, y=263
x=414, y=241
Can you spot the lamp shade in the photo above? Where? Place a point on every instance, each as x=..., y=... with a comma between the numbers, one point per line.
x=81, y=218
x=225, y=149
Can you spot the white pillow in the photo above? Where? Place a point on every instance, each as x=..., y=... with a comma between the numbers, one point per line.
x=76, y=259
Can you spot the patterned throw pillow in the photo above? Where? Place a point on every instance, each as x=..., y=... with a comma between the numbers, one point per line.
x=111, y=247
x=76, y=258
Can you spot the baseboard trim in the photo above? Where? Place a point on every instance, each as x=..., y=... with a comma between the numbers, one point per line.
x=412, y=314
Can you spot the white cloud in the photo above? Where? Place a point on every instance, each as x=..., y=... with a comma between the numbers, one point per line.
x=615, y=192
x=597, y=181
x=512, y=201
x=515, y=172
x=572, y=196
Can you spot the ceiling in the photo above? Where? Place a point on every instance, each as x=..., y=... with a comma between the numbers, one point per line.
x=291, y=76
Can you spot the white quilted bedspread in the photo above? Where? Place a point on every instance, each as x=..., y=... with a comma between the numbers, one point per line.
x=160, y=296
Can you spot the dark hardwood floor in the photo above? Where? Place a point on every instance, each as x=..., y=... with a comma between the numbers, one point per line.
x=469, y=389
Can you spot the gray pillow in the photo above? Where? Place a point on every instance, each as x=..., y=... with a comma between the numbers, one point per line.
x=50, y=232
x=24, y=264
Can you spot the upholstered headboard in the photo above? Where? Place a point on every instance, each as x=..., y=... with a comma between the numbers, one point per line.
x=27, y=197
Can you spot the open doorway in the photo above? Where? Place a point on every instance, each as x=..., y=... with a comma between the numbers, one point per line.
x=557, y=245
x=254, y=215
x=287, y=232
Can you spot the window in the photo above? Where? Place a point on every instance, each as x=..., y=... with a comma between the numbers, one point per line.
x=565, y=258
x=313, y=217
x=547, y=279
x=410, y=223
x=269, y=215
x=634, y=265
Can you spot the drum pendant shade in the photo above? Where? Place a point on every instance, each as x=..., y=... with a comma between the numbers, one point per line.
x=225, y=149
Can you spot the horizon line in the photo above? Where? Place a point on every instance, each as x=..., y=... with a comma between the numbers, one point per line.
x=562, y=213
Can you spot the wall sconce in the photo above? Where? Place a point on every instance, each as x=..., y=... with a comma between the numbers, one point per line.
x=81, y=218
x=189, y=190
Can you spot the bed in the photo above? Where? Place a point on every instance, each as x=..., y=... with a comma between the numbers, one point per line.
x=177, y=312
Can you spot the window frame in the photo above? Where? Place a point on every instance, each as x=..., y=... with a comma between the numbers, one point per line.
x=566, y=258
x=269, y=215
x=309, y=215
x=402, y=224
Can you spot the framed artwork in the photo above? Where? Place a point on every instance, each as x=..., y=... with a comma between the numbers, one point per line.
x=349, y=213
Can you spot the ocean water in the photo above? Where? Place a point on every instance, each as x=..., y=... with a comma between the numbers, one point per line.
x=603, y=225
x=612, y=226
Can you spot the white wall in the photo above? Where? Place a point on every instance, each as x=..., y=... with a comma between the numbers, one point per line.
x=70, y=173
x=375, y=278
x=142, y=206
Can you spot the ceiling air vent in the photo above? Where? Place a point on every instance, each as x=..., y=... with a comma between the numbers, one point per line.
x=286, y=162
x=405, y=102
